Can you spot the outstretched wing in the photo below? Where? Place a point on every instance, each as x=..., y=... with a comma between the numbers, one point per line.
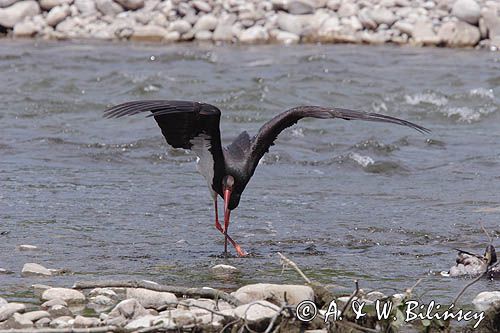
x=184, y=124
x=269, y=131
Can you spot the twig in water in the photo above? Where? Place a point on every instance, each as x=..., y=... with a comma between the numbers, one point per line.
x=354, y=294
x=287, y=261
x=179, y=291
x=468, y=285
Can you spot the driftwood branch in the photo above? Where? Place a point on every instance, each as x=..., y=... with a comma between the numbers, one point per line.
x=354, y=294
x=102, y=329
x=290, y=263
x=178, y=291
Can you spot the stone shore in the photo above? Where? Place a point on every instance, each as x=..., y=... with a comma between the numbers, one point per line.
x=451, y=23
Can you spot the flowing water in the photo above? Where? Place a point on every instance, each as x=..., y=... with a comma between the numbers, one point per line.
x=379, y=203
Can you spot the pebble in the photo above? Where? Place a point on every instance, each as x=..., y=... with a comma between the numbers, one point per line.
x=62, y=322
x=36, y=315
x=57, y=15
x=85, y=322
x=25, y=29
x=419, y=22
x=70, y=296
x=59, y=311
x=26, y=247
x=32, y=269
x=467, y=10
x=53, y=302
x=17, y=321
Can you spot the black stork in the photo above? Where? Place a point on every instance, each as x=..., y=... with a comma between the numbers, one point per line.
x=195, y=126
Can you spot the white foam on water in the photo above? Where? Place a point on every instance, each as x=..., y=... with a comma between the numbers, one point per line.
x=362, y=160
x=467, y=114
x=482, y=92
x=429, y=98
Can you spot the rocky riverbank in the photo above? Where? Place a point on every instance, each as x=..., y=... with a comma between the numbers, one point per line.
x=453, y=23
x=146, y=306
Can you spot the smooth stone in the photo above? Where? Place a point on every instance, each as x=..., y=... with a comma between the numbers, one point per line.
x=150, y=33
x=131, y=4
x=203, y=35
x=7, y=310
x=383, y=15
x=70, y=296
x=255, y=34
x=7, y=3
x=292, y=294
x=100, y=303
x=142, y=322
x=459, y=34
x=491, y=19
x=26, y=247
x=290, y=23
x=181, y=317
x=41, y=323
x=285, y=37
x=62, y=322
x=256, y=312
x=486, y=299
x=86, y=7
x=57, y=15
x=49, y=4
x=333, y=4
x=423, y=34
x=223, y=32
x=300, y=7
x=206, y=22
x=129, y=309
x=467, y=10
x=17, y=321
x=25, y=29
x=17, y=12
x=366, y=19
x=36, y=315
x=172, y=36
x=108, y=7
x=32, y=269
x=59, y=311
x=347, y=9
x=202, y=6
x=181, y=26
x=404, y=27
x=56, y=301
x=85, y=322
x=108, y=292
x=152, y=299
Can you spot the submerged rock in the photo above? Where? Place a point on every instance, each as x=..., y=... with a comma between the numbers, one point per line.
x=32, y=269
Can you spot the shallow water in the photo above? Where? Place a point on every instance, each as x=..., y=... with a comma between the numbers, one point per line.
x=345, y=200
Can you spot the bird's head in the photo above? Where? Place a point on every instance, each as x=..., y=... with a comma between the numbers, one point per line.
x=231, y=198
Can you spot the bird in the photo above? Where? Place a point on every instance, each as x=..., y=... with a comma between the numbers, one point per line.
x=195, y=126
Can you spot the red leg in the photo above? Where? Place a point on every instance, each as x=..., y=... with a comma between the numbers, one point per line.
x=218, y=226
